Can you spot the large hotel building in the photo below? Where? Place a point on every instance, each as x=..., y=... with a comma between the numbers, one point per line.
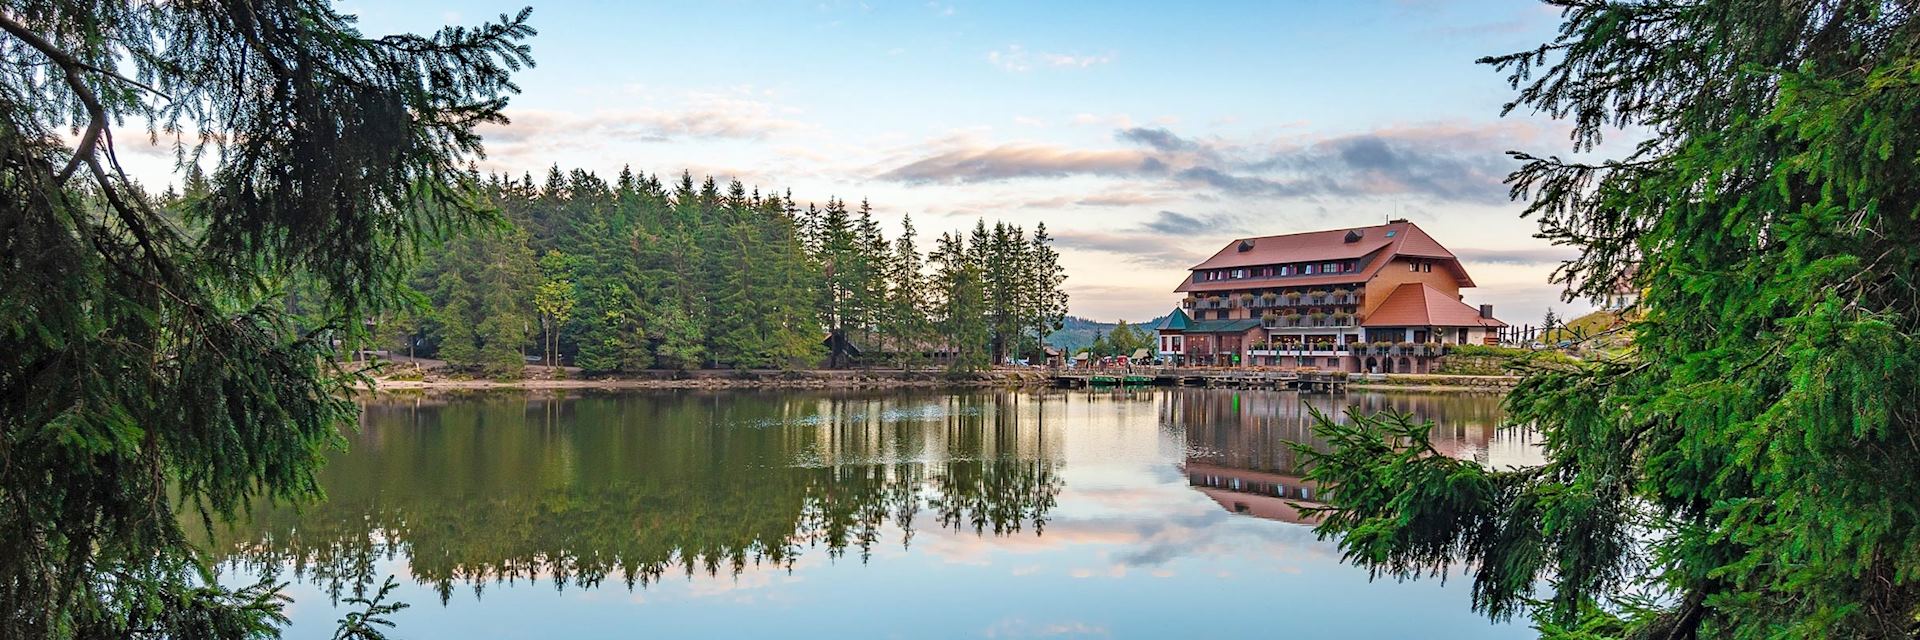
x=1381, y=299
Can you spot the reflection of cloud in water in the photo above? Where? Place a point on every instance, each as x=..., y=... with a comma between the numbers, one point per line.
x=1021, y=628
x=1194, y=528
x=668, y=492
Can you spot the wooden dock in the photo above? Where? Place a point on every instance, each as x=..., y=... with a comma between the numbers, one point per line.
x=1300, y=380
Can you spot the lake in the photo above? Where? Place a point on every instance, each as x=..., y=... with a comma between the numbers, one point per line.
x=913, y=514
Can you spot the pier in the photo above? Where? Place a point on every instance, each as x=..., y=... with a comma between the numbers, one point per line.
x=1299, y=380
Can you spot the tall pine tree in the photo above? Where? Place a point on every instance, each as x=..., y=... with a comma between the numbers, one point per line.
x=1746, y=469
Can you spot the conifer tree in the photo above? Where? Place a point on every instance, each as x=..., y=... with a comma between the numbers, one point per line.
x=714, y=276
x=1047, y=280
x=486, y=312
x=838, y=244
x=907, y=304
x=792, y=328
x=148, y=362
x=869, y=267
x=1745, y=470
x=962, y=304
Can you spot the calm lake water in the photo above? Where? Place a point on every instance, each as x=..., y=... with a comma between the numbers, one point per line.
x=913, y=514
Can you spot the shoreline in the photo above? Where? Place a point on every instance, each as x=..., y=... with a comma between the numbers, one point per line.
x=854, y=379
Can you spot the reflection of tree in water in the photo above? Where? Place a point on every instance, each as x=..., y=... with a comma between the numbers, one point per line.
x=633, y=487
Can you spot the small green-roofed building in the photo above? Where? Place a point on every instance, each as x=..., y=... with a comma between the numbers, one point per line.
x=1176, y=321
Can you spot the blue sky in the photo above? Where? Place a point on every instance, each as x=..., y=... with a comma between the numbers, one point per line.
x=1145, y=136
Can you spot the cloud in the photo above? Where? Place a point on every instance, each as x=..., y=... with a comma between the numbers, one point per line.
x=1520, y=257
x=716, y=118
x=1388, y=163
x=1073, y=61
x=1176, y=223
x=1123, y=199
x=1437, y=163
x=1141, y=248
x=1018, y=59
x=1246, y=185
x=1013, y=161
x=1021, y=628
x=1158, y=138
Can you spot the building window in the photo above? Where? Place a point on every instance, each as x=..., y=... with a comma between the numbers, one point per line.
x=1426, y=266
x=1239, y=273
x=1413, y=265
x=1351, y=265
x=1309, y=270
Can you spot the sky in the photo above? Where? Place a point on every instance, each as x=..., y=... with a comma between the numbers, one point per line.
x=1145, y=136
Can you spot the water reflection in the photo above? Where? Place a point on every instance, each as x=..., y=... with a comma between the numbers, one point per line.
x=580, y=491
x=1092, y=510
x=1239, y=453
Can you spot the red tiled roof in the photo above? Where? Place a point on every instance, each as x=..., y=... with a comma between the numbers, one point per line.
x=1407, y=239
x=1415, y=304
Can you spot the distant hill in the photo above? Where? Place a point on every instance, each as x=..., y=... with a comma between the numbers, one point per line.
x=1077, y=333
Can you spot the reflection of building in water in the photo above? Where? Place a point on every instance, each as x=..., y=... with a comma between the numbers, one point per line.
x=1271, y=496
x=1240, y=443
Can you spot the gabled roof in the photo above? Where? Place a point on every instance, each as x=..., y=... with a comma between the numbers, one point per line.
x=1397, y=238
x=1239, y=325
x=1176, y=321
x=1416, y=304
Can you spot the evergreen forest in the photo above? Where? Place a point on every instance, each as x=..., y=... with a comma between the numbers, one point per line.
x=640, y=273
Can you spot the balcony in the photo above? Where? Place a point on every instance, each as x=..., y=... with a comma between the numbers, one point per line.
x=1417, y=350
x=1308, y=322
x=1275, y=301
x=1289, y=351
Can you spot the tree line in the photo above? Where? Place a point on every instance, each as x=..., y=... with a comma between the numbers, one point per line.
x=638, y=274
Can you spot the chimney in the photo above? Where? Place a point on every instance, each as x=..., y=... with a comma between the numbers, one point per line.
x=1486, y=311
